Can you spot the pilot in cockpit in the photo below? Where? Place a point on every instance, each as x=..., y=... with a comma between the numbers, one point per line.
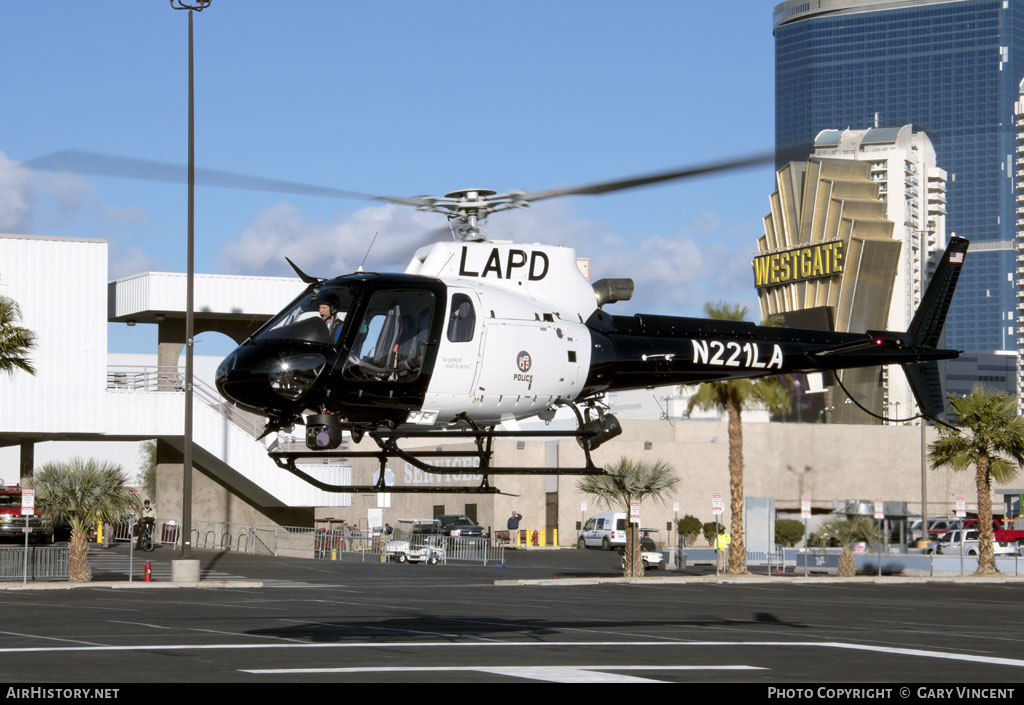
x=329, y=314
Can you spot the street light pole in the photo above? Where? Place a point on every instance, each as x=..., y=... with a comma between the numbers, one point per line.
x=186, y=489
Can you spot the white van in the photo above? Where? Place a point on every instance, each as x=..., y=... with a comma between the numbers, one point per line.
x=606, y=530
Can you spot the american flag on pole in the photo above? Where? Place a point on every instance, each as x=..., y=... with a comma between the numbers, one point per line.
x=956, y=258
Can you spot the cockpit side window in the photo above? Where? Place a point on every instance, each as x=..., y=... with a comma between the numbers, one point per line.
x=461, y=320
x=391, y=341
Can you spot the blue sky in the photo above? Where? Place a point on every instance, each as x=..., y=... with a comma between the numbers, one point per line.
x=397, y=98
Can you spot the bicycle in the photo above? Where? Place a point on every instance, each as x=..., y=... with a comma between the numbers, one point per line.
x=145, y=537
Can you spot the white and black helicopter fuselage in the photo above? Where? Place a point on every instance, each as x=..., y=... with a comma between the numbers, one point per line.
x=474, y=334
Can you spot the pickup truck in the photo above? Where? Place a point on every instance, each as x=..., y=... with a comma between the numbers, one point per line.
x=949, y=544
x=1000, y=531
x=457, y=525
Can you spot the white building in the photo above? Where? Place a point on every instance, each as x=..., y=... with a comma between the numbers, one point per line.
x=80, y=394
x=913, y=189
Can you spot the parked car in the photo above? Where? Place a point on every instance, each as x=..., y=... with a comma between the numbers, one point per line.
x=1001, y=531
x=604, y=531
x=458, y=525
x=949, y=544
x=937, y=528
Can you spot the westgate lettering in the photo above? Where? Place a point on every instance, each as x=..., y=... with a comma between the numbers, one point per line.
x=535, y=265
x=812, y=262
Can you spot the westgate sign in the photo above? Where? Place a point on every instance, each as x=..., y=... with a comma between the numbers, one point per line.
x=802, y=263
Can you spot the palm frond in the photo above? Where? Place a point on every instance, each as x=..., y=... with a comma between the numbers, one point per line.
x=15, y=341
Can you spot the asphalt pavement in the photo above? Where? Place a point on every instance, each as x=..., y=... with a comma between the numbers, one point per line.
x=550, y=616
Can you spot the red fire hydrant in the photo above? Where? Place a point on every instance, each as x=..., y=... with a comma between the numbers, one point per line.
x=148, y=575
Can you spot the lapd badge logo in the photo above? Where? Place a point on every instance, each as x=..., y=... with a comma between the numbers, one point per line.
x=524, y=362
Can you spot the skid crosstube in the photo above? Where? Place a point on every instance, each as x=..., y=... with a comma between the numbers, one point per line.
x=387, y=442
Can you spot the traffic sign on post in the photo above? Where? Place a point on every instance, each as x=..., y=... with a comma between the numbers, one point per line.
x=28, y=502
x=961, y=506
x=805, y=507
x=716, y=503
x=879, y=508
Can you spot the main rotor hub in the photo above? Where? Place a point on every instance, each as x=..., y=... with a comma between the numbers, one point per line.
x=468, y=208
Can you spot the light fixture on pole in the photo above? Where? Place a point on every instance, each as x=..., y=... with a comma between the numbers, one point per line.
x=186, y=490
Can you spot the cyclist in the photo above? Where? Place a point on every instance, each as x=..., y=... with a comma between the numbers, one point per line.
x=147, y=519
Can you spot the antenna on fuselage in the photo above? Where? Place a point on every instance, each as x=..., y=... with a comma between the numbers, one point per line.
x=368, y=251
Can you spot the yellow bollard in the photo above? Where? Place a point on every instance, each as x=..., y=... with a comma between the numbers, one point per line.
x=542, y=538
x=334, y=554
x=554, y=537
x=516, y=544
x=99, y=530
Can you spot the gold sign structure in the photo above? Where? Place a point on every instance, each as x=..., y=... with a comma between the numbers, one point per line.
x=811, y=262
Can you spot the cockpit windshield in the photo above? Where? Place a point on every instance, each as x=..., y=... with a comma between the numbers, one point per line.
x=316, y=317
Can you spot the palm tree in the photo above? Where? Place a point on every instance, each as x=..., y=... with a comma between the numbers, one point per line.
x=79, y=493
x=846, y=532
x=15, y=341
x=732, y=396
x=628, y=481
x=147, y=462
x=989, y=432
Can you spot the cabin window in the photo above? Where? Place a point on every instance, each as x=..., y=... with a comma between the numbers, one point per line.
x=461, y=320
x=390, y=344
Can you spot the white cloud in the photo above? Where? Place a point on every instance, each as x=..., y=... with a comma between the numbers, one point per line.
x=329, y=249
x=15, y=196
x=32, y=200
x=127, y=260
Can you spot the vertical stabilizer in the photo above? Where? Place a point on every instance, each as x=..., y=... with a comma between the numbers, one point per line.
x=926, y=328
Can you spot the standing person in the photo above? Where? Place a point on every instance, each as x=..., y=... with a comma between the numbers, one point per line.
x=513, y=528
x=722, y=542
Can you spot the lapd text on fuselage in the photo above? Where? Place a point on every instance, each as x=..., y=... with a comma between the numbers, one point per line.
x=534, y=263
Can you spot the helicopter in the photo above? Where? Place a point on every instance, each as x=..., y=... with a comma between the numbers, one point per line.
x=479, y=332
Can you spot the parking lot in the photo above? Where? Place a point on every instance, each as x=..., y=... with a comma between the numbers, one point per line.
x=345, y=621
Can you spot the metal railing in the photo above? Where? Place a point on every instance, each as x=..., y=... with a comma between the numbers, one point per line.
x=161, y=378
x=44, y=563
x=318, y=543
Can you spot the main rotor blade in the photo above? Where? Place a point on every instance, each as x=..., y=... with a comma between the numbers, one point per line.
x=670, y=175
x=83, y=162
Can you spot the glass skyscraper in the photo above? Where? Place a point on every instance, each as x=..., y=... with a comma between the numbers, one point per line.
x=951, y=68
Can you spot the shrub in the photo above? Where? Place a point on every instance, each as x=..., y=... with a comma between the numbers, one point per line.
x=709, y=532
x=788, y=532
x=689, y=528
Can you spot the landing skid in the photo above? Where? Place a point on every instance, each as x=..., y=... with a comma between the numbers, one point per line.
x=387, y=442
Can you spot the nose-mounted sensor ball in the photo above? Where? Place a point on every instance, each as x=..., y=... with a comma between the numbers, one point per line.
x=323, y=432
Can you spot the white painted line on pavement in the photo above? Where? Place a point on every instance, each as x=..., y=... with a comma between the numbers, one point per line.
x=553, y=674
x=990, y=660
